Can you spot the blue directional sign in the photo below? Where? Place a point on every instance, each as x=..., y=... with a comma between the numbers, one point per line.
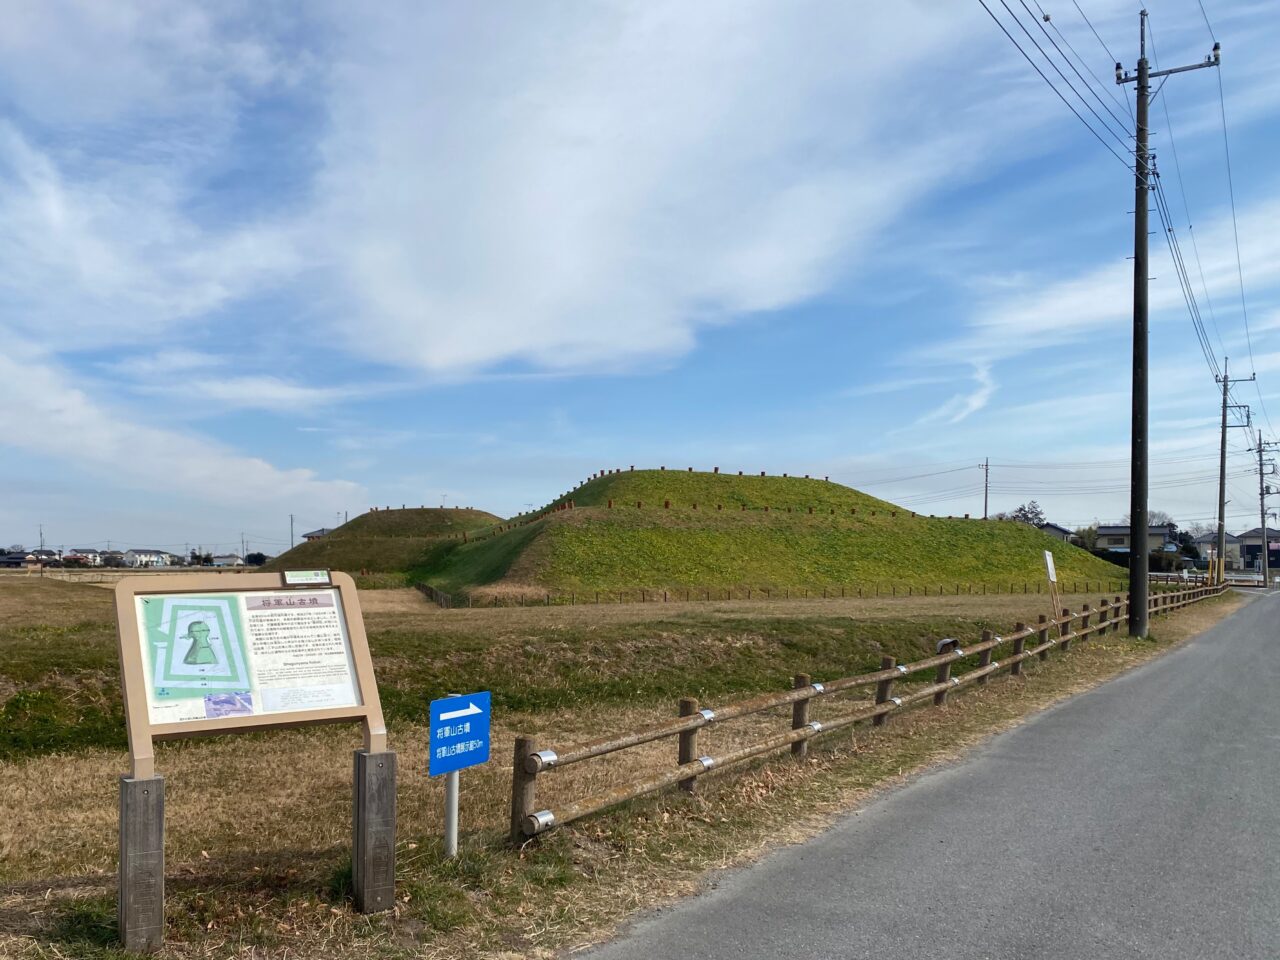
x=459, y=733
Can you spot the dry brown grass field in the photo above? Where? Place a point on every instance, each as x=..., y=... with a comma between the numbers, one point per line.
x=258, y=827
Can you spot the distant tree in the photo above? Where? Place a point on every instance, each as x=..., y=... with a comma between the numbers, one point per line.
x=1088, y=536
x=256, y=559
x=1156, y=518
x=1201, y=529
x=1187, y=545
x=1029, y=513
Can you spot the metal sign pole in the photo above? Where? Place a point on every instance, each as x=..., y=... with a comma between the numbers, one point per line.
x=451, y=814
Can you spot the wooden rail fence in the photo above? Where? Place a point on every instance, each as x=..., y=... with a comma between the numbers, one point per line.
x=530, y=762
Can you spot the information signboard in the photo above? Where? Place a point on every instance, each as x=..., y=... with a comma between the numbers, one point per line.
x=209, y=653
x=212, y=653
x=245, y=654
x=459, y=733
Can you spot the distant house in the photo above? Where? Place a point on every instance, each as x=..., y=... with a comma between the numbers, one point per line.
x=83, y=555
x=44, y=556
x=1160, y=538
x=317, y=534
x=142, y=557
x=228, y=560
x=1207, y=544
x=16, y=560
x=112, y=558
x=1057, y=532
x=1251, y=548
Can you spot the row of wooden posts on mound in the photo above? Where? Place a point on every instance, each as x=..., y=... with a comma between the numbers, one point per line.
x=469, y=537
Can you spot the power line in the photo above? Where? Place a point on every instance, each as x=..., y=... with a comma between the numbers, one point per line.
x=1111, y=57
x=1235, y=231
x=1037, y=69
x=1186, y=207
x=1184, y=279
x=1122, y=103
x=1206, y=21
x=1120, y=139
x=1045, y=18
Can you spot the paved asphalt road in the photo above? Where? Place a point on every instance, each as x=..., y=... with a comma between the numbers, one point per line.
x=1137, y=820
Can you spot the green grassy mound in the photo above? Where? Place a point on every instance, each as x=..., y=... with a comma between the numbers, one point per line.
x=667, y=530
x=384, y=541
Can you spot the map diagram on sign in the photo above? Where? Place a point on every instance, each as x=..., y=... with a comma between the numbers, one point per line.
x=195, y=648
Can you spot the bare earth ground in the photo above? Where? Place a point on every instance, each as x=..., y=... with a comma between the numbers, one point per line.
x=258, y=827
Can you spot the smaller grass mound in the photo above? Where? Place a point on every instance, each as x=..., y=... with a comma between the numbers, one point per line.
x=385, y=541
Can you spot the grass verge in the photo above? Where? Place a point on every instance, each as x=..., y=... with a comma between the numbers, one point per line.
x=267, y=878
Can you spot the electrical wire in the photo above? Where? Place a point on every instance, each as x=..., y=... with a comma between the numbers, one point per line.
x=1120, y=139
x=1107, y=88
x=1037, y=69
x=1112, y=57
x=1044, y=18
x=1182, y=189
x=1235, y=231
x=1184, y=279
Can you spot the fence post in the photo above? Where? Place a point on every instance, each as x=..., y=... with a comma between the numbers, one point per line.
x=1019, y=644
x=984, y=658
x=688, y=742
x=523, y=785
x=1064, y=628
x=1043, y=635
x=1084, y=620
x=1104, y=616
x=1120, y=615
x=942, y=676
x=800, y=716
x=884, y=690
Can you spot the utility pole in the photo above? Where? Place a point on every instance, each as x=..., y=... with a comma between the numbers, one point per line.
x=1219, y=571
x=1262, y=507
x=986, y=486
x=42, y=536
x=1138, y=543
x=291, y=531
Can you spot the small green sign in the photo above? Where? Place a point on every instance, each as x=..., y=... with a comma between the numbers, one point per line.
x=306, y=578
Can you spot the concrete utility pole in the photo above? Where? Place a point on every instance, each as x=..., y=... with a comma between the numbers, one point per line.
x=291, y=531
x=986, y=486
x=1139, y=564
x=1262, y=510
x=1220, y=568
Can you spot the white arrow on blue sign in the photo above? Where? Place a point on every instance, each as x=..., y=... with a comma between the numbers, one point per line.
x=459, y=733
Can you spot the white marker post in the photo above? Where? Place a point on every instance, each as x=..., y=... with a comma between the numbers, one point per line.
x=1052, y=571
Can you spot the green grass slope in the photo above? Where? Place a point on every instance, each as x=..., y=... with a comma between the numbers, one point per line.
x=384, y=541
x=745, y=531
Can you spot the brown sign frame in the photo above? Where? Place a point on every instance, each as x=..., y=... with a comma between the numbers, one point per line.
x=142, y=732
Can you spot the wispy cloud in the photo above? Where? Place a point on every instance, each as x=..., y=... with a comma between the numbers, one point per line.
x=962, y=405
x=58, y=418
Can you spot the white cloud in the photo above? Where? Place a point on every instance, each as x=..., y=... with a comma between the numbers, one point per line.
x=597, y=184
x=57, y=418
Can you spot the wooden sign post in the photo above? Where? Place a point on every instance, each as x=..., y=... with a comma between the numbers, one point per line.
x=208, y=653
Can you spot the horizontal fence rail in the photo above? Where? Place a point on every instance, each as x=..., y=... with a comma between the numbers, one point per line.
x=1025, y=642
x=738, y=593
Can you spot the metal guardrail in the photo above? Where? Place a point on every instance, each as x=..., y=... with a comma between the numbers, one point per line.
x=530, y=762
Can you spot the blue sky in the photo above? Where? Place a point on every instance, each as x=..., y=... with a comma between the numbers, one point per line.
x=272, y=259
